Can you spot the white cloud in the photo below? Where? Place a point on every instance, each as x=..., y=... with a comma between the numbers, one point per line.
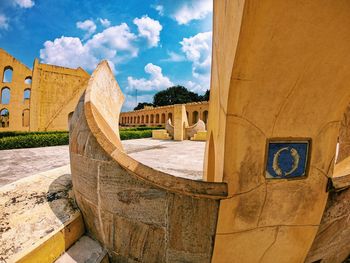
x=149, y=29
x=193, y=10
x=72, y=52
x=198, y=50
x=160, y=9
x=157, y=81
x=68, y=52
x=24, y=3
x=105, y=22
x=4, y=22
x=173, y=57
x=88, y=26
x=196, y=87
x=113, y=39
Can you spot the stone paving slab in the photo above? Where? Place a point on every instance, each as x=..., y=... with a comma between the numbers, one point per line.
x=19, y=163
x=184, y=159
x=34, y=208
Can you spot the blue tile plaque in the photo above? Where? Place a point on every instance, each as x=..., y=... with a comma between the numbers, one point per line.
x=287, y=158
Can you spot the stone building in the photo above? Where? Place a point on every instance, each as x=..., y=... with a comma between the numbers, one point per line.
x=156, y=116
x=38, y=99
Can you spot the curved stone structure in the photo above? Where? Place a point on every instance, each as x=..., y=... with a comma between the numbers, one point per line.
x=169, y=128
x=192, y=130
x=139, y=214
x=280, y=71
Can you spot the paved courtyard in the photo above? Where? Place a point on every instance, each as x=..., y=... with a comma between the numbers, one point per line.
x=184, y=159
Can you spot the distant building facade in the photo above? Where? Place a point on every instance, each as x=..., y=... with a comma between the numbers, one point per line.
x=38, y=99
x=158, y=116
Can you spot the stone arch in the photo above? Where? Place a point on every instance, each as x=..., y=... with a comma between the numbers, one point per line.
x=138, y=119
x=205, y=116
x=7, y=74
x=195, y=117
x=5, y=95
x=152, y=118
x=163, y=118
x=143, y=119
x=147, y=118
x=28, y=80
x=4, y=118
x=26, y=94
x=157, y=118
x=170, y=116
x=25, y=118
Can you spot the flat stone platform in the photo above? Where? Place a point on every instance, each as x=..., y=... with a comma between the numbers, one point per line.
x=184, y=159
x=35, y=211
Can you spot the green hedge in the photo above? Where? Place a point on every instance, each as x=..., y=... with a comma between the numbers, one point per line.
x=16, y=140
x=128, y=135
x=19, y=133
x=34, y=140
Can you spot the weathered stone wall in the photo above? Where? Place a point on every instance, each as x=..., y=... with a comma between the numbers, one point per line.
x=160, y=115
x=17, y=104
x=332, y=242
x=53, y=93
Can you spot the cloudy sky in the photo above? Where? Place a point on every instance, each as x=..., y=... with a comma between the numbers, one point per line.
x=150, y=44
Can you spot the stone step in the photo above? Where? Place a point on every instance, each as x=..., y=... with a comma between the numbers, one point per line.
x=85, y=250
x=199, y=136
x=39, y=219
x=161, y=135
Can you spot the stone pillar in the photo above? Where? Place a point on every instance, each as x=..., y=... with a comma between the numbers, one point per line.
x=180, y=122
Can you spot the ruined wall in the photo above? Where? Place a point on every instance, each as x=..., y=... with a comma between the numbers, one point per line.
x=160, y=115
x=55, y=92
x=17, y=106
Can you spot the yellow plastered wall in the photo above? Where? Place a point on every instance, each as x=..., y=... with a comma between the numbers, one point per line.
x=17, y=104
x=56, y=91
x=281, y=69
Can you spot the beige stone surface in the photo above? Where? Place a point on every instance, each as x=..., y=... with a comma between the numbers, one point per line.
x=32, y=210
x=180, y=122
x=20, y=163
x=200, y=136
x=161, y=135
x=83, y=251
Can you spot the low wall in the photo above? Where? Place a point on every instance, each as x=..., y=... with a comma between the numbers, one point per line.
x=137, y=213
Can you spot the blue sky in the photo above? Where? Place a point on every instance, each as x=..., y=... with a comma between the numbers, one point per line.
x=150, y=44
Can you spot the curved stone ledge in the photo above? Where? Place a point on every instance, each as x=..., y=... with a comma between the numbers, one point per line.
x=135, y=211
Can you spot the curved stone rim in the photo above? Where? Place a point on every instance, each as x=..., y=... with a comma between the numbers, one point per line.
x=103, y=132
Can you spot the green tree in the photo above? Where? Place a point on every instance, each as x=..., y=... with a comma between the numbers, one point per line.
x=175, y=95
x=142, y=105
x=206, y=96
